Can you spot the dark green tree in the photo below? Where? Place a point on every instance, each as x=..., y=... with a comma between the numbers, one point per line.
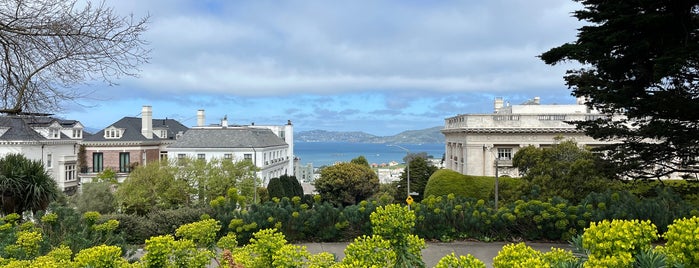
x=25, y=185
x=361, y=160
x=420, y=172
x=564, y=170
x=97, y=196
x=347, y=183
x=284, y=186
x=640, y=61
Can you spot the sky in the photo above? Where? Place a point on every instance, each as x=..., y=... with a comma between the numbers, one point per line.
x=381, y=67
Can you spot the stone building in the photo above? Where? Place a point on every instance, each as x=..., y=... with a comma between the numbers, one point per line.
x=475, y=141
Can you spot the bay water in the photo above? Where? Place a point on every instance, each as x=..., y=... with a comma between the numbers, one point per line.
x=328, y=153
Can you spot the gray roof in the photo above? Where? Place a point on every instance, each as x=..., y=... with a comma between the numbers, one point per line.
x=20, y=126
x=236, y=137
x=132, y=130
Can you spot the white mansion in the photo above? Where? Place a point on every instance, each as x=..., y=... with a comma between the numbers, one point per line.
x=475, y=141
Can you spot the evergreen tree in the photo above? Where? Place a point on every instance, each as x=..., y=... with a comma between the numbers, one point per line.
x=640, y=60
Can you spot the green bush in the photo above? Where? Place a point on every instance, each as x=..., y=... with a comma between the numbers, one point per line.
x=445, y=181
x=683, y=242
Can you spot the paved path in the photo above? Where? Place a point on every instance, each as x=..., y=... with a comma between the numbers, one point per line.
x=435, y=251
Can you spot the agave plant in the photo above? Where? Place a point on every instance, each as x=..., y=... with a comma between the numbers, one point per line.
x=25, y=185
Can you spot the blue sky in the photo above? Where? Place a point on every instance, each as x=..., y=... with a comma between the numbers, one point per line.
x=376, y=66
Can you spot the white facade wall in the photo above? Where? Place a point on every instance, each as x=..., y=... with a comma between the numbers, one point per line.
x=475, y=141
x=57, y=157
x=286, y=133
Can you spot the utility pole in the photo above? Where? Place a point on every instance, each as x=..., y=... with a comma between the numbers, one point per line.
x=409, y=199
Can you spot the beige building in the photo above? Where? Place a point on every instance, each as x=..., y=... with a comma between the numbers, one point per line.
x=475, y=141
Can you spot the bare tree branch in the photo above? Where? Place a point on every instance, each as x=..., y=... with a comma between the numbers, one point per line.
x=48, y=47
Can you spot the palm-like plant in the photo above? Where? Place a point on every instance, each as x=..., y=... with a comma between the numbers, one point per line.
x=25, y=185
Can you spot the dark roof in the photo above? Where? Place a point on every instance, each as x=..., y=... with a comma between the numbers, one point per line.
x=20, y=126
x=236, y=137
x=132, y=130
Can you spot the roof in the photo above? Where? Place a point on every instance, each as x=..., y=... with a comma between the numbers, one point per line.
x=236, y=137
x=20, y=127
x=132, y=130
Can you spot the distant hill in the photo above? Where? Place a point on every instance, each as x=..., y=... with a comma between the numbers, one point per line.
x=428, y=135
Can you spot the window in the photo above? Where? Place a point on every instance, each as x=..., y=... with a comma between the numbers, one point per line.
x=97, y=162
x=124, y=161
x=248, y=156
x=201, y=156
x=181, y=156
x=70, y=172
x=54, y=133
x=505, y=153
x=112, y=133
x=227, y=156
x=49, y=160
x=282, y=135
x=77, y=133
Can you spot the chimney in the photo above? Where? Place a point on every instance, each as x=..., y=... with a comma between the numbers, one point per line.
x=201, y=119
x=224, y=122
x=147, y=121
x=498, y=104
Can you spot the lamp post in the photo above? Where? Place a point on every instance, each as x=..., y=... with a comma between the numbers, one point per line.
x=497, y=168
x=254, y=179
x=407, y=163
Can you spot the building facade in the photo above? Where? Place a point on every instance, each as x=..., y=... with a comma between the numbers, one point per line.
x=264, y=148
x=475, y=141
x=127, y=143
x=52, y=141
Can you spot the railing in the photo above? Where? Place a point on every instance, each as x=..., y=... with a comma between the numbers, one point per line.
x=516, y=120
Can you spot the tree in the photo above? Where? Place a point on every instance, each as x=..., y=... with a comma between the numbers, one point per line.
x=96, y=196
x=347, y=183
x=153, y=186
x=640, y=60
x=25, y=185
x=564, y=170
x=284, y=186
x=361, y=160
x=48, y=46
x=420, y=172
x=213, y=178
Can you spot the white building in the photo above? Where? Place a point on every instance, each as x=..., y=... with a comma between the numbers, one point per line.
x=474, y=141
x=52, y=141
x=261, y=145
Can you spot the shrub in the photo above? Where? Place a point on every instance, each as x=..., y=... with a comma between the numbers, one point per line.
x=613, y=244
x=451, y=261
x=445, y=181
x=683, y=242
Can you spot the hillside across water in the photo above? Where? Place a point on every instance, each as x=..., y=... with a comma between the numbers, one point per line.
x=428, y=135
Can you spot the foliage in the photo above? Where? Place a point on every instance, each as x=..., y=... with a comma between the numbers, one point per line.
x=100, y=256
x=202, y=233
x=563, y=169
x=25, y=185
x=639, y=61
x=446, y=181
x=165, y=251
x=96, y=196
x=284, y=186
x=152, y=186
x=516, y=255
x=614, y=243
x=369, y=251
x=683, y=241
x=346, y=183
x=360, y=160
x=451, y=261
x=395, y=224
x=420, y=171
x=215, y=177
x=52, y=45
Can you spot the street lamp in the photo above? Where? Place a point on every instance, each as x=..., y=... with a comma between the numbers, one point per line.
x=407, y=163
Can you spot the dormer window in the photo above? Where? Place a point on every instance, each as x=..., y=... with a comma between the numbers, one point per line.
x=112, y=133
x=77, y=133
x=54, y=133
